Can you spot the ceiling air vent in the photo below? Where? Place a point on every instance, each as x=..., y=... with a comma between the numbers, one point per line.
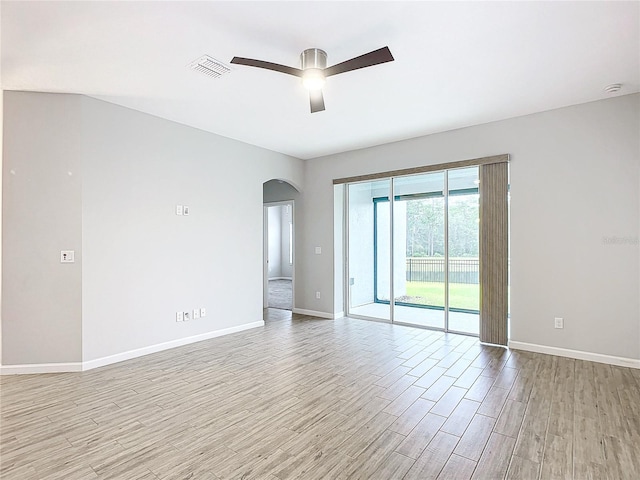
x=210, y=66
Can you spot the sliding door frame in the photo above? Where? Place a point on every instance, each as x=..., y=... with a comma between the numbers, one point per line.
x=390, y=176
x=446, y=250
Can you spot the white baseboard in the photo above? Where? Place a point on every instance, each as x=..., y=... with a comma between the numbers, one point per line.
x=99, y=362
x=40, y=368
x=577, y=354
x=314, y=313
x=120, y=357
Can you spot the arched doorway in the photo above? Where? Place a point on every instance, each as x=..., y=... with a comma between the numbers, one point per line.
x=279, y=203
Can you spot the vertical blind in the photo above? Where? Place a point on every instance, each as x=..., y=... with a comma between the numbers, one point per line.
x=494, y=253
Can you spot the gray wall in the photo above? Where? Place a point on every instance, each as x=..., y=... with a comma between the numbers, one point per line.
x=574, y=182
x=279, y=191
x=1, y=169
x=42, y=214
x=137, y=262
x=338, y=250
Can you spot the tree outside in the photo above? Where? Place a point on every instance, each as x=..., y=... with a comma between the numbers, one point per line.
x=425, y=226
x=426, y=250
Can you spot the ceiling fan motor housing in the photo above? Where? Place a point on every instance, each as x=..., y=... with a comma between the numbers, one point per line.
x=313, y=58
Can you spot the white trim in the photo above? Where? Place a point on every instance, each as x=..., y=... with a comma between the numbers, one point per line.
x=265, y=256
x=280, y=278
x=314, y=313
x=485, y=343
x=40, y=368
x=338, y=315
x=279, y=202
x=577, y=354
x=120, y=357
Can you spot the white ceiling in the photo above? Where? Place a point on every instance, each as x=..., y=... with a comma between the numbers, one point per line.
x=456, y=63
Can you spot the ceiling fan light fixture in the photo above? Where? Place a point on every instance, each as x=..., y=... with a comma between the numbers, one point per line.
x=314, y=69
x=313, y=62
x=313, y=79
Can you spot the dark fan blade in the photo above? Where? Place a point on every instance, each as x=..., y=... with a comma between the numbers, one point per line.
x=317, y=100
x=382, y=55
x=268, y=65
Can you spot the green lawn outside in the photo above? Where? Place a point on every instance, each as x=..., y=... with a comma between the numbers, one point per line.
x=461, y=295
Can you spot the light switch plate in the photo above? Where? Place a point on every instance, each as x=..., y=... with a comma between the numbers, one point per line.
x=185, y=210
x=203, y=312
x=196, y=313
x=179, y=317
x=67, y=256
x=318, y=250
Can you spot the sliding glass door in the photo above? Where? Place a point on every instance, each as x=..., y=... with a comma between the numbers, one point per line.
x=413, y=250
x=419, y=247
x=369, y=250
x=463, y=260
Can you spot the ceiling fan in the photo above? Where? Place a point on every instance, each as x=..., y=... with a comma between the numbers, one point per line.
x=314, y=69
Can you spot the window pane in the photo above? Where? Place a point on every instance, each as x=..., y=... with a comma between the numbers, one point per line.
x=463, y=222
x=368, y=249
x=419, y=256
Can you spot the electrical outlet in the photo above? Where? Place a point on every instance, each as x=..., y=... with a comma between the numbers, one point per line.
x=318, y=295
x=559, y=322
x=179, y=209
x=203, y=312
x=196, y=313
x=187, y=316
x=179, y=317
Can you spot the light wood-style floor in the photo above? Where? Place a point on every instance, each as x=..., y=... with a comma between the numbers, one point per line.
x=320, y=399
